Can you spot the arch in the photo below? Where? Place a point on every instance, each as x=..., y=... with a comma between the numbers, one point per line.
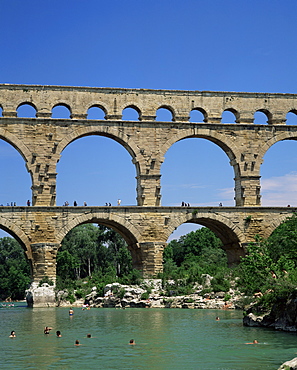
x=193, y=115
x=27, y=111
x=193, y=179
x=230, y=115
x=17, y=233
x=16, y=143
x=291, y=117
x=129, y=233
x=64, y=105
x=228, y=232
x=131, y=111
x=217, y=139
x=99, y=171
x=257, y=117
x=125, y=141
x=165, y=110
x=99, y=109
x=278, y=171
x=114, y=221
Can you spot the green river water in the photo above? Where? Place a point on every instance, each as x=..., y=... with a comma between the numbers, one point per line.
x=165, y=339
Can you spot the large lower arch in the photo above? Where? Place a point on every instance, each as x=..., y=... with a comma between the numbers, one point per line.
x=229, y=233
x=16, y=232
x=130, y=234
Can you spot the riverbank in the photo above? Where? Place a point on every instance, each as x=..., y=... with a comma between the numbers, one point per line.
x=150, y=294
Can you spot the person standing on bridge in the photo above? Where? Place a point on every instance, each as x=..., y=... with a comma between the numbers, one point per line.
x=119, y=202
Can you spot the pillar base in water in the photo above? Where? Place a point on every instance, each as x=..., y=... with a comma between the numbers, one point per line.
x=41, y=296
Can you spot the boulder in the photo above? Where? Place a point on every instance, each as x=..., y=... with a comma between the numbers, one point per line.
x=289, y=365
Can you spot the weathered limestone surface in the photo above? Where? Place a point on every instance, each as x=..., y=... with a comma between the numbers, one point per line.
x=146, y=227
x=41, y=296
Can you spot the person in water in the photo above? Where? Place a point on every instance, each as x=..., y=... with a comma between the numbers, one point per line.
x=89, y=336
x=77, y=343
x=253, y=342
x=59, y=335
x=71, y=312
x=132, y=342
x=47, y=330
x=12, y=334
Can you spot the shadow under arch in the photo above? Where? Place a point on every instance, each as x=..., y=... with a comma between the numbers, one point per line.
x=231, y=236
x=129, y=233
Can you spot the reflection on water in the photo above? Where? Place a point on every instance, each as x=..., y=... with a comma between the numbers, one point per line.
x=165, y=339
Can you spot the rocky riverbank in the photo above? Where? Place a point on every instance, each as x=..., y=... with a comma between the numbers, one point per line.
x=151, y=295
x=282, y=316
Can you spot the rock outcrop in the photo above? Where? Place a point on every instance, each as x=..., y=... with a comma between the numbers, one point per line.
x=41, y=296
x=289, y=365
x=151, y=295
x=283, y=316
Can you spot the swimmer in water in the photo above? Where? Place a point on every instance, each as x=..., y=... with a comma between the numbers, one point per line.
x=71, y=312
x=253, y=342
x=132, y=342
x=77, y=343
x=47, y=330
x=59, y=335
x=88, y=335
x=12, y=334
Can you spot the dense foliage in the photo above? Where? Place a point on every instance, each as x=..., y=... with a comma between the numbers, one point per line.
x=186, y=261
x=269, y=268
x=94, y=255
x=14, y=270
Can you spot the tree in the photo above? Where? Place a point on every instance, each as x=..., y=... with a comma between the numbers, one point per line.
x=283, y=240
x=89, y=250
x=14, y=269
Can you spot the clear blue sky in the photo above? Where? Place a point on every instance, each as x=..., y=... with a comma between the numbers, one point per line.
x=230, y=45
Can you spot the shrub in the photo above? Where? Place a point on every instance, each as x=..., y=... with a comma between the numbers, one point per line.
x=145, y=295
x=46, y=280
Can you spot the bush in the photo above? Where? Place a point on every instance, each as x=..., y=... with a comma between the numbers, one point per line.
x=145, y=296
x=46, y=280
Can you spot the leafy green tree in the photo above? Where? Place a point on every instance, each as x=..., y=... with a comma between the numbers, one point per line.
x=14, y=269
x=94, y=252
x=283, y=241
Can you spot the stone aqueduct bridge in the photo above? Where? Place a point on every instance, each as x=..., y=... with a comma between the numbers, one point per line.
x=147, y=226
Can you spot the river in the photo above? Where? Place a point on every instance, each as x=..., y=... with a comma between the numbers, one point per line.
x=165, y=339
